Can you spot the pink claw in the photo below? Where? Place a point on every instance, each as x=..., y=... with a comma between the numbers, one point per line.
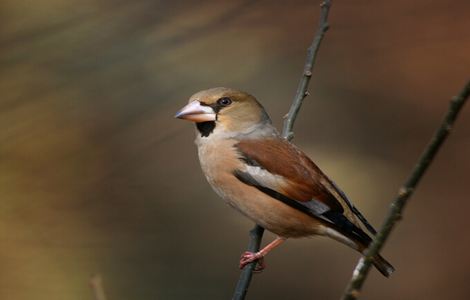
x=249, y=257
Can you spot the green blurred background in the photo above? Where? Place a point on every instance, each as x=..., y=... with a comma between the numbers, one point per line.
x=97, y=177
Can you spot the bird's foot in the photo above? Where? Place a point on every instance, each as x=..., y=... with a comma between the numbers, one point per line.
x=249, y=257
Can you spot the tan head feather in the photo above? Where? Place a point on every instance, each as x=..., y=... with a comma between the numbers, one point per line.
x=236, y=110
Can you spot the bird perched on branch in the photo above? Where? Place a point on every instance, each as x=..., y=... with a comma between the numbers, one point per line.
x=268, y=179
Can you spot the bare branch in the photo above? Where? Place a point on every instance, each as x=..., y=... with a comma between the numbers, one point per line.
x=256, y=234
x=302, y=89
x=362, y=269
x=96, y=283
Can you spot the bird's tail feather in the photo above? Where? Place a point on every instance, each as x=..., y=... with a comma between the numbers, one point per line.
x=354, y=242
x=383, y=266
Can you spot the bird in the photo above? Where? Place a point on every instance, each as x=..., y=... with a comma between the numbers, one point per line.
x=268, y=179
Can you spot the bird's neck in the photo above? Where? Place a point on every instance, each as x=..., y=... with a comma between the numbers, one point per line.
x=212, y=131
x=205, y=128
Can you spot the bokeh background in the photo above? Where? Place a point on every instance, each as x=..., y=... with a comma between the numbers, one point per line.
x=97, y=177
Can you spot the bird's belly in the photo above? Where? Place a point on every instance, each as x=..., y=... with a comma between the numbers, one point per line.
x=268, y=212
x=264, y=210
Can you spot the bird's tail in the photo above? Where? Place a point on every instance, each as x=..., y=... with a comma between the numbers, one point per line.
x=358, y=242
x=383, y=266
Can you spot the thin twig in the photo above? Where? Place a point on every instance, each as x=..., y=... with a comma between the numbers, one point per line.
x=256, y=234
x=96, y=283
x=302, y=89
x=362, y=269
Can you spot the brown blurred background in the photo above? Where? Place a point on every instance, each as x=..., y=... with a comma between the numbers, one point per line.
x=97, y=177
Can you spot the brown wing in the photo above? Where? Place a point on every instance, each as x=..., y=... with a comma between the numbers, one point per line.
x=300, y=178
x=292, y=174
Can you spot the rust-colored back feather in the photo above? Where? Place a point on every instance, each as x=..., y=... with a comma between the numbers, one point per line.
x=304, y=180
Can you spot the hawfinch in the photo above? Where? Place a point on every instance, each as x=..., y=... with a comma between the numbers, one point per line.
x=268, y=179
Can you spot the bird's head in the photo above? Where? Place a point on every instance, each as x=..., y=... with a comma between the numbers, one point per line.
x=225, y=109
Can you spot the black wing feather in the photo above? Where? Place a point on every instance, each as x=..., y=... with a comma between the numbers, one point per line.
x=354, y=209
x=335, y=218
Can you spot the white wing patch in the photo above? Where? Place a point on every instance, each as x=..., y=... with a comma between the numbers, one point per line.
x=274, y=182
x=265, y=177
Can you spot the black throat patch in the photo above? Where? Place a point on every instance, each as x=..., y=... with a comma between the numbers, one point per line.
x=205, y=128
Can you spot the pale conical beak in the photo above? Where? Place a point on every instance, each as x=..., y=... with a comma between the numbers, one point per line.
x=196, y=112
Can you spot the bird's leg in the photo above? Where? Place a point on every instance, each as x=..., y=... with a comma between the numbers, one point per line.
x=248, y=257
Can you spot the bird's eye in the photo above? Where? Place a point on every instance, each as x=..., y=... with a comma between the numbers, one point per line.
x=225, y=101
